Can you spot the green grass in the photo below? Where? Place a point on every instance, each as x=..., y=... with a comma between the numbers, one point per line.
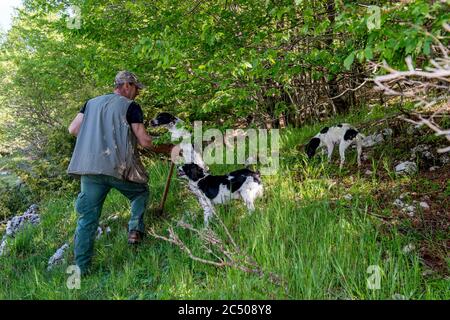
x=303, y=230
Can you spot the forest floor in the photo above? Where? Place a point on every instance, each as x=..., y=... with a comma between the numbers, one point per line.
x=318, y=232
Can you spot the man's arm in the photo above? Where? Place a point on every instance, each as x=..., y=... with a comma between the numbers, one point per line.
x=145, y=140
x=74, y=127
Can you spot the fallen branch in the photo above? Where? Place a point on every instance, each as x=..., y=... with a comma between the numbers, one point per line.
x=226, y=253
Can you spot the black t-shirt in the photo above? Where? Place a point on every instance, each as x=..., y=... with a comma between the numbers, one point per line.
x=134, y=113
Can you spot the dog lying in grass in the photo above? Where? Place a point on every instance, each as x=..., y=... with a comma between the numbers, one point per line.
x=343, y=134
x=242, y=184
x=177, y=131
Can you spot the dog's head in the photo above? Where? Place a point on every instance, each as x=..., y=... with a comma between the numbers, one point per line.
x=191, y=171
x=311, y=147
x=164, y=119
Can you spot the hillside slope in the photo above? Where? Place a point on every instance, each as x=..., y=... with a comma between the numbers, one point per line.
x=323, y=231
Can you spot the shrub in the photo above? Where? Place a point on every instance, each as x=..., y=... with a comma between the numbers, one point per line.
x=45, y=174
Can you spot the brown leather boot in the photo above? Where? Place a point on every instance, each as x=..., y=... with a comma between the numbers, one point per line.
x=134, y=237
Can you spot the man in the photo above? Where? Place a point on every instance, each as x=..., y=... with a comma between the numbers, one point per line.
x=108, y=129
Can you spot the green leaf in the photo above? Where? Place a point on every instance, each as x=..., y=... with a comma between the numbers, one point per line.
x=427, y=46
x=368, y=53
x=247, y=65
x=360, y=55
x=349, y=60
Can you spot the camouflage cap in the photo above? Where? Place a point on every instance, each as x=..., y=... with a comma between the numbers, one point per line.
x=127, y=77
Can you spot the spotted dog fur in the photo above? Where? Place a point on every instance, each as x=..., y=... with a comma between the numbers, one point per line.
x=343, y=134
x=242, y=184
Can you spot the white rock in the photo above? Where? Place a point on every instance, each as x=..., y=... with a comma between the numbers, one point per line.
x=387, y=132
x=424, y=205
x=399, y=203
x=408, y=248
x=368, y=172
x=445, y=159
x=17, y=223
x=58, y=257
x=434, y=168
x=410, y=210
x=428, y=154
x=372, y=140
x=420, y=148
x=348, y=197
x=423, y=151
x=407, y=167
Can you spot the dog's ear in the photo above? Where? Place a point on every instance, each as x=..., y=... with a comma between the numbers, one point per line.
x=164, y=118
x=193, y=171
x=311, y=147
x=197, y=172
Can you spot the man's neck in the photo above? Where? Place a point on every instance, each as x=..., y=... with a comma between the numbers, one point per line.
x=120, y=94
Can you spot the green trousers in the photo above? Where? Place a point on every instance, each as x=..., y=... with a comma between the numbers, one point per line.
x=94, y=189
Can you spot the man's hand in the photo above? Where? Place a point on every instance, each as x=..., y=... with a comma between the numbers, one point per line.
x=145, y=140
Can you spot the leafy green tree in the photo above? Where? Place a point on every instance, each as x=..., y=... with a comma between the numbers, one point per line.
x=226, y=62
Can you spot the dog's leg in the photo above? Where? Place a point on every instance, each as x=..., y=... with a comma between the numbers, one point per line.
x=205, y=203
x=342, y=147
x=249, y=196
x=359, y=150
x=250, y=206
x=330, y=148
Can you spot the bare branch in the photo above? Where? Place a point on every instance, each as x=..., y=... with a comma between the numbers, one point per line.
x=225, y=253
x=351, y=89
x=427, y=89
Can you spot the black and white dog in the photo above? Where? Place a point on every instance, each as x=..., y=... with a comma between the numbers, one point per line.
x=342, y=134
x=177, y=130
x=242, y=184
